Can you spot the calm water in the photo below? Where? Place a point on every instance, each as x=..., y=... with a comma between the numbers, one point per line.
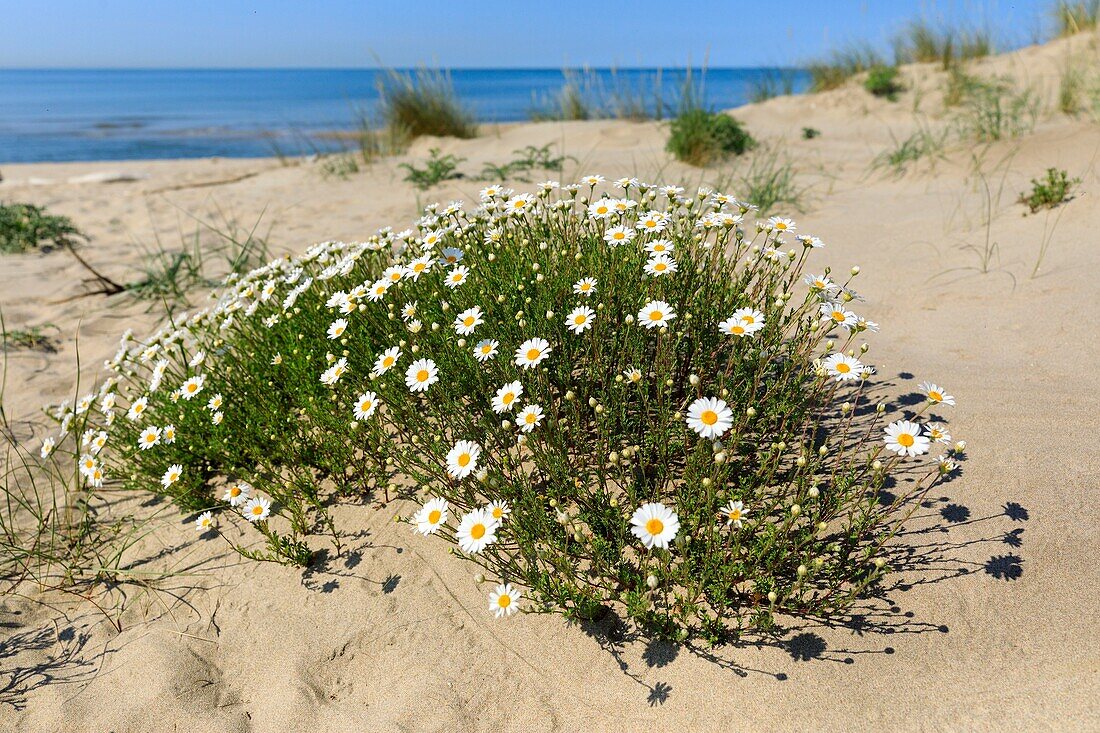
x=60, y=115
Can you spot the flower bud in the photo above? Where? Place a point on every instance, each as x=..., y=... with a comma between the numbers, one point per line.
x=795, y=510
x=772, y=596
x=651, y=581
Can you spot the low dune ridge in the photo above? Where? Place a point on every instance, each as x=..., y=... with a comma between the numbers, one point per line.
x=990, y=629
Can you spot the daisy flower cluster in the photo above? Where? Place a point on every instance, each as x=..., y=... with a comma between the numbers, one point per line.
x=603, y=394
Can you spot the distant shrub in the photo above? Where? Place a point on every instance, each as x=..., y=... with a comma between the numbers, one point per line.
x=25, y=227
x=1046, y=193
x=424, y=103
x=809, y=133
x=882, y=81
x=629, y=399
x=700, y=138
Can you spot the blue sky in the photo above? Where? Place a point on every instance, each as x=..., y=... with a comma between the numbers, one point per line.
x=481, y=33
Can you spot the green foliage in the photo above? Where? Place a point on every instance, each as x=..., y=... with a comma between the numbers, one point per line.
x=1074, y=16
x=338, y=165
x=586, y=94
x=1053, y=190
x=809, y=133
x=700, y=138
x=436, y=169
x=841, y=66
x=423, y=103
x=290, y=391
x=26, y=227
x=922, y=42
x=770, y=180
x=33, y=338
x=923, y=143
x=527, y=160
x=993, y=109
x=772, y=83
x=882, y=81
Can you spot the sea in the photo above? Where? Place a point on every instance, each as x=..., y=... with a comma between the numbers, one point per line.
x=128, y=114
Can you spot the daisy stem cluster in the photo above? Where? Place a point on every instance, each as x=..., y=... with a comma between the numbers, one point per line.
x=606, y=396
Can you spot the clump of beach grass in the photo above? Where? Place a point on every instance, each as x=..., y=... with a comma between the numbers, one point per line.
x=840, y=66
x=882, y=81
x=923, y=143
x=923, y=42
x=587, y=94
x=700, y=138
x=991, y=109
x=423, y=102
x=1075, y=16
x=604, y=396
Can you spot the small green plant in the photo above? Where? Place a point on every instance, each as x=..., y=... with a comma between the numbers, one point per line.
x=770, y=180
x=1052, y=190
x=699, y=137
x=923, y=143
x=809, y=133
x=26, y=227
x=33, y=338
x=436, y=169
x=882, y=81
x=1072, y=17
x=529, y=159
x=993, y=109
x=423, y=103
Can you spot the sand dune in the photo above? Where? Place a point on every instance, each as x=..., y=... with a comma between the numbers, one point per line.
x=991, y=630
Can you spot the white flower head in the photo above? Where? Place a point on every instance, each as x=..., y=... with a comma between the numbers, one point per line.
x=655, y=525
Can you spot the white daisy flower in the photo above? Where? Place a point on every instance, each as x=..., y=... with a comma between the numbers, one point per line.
x=633, y=374
x=735, y=513
x=532, y=352
x=593, y=180
x=601, y=209
x=904, y=438
x=257, y=509
x=498, y=510
x=457, y=276
x=937, y=431
x=420, y=375
x=710, y=417
x=656, y=314
x=431, y=516
x=843, y=367
x=660, y=265
x=191, y=387
x=418, y=267
x=506, y=396
x=365, y=405
x=237, y=493
x=529, y=418
x=462, y=459
x=47, y=447
x=168, y=435
x=936, y=395
x=504, y=600
x=655, y=525
x=743, y=322
x=468, y=320
x=660, y=247
x=585, y=286
x=386, y=360
x=652, y=221
x=616, y=236
x=205, y=522
x=486, y=349
x=451, y=256
x=820, y=282
x=476, y=531
x=838, y=314
x=336, y=328
x=149, y=437
x=172, y=475
x=579, y=319
x=137, y=409
x=332, y=375
x=781, y=225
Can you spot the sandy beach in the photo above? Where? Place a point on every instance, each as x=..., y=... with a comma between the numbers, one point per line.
x=992, y=628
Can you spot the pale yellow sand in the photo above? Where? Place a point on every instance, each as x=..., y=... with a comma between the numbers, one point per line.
x=1004, y=639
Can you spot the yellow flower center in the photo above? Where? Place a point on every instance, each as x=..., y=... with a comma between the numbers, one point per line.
x=654, y=526
x=469, y=321
x=843, y=368
x=780, y=225
x=735, y=514
x=486, y=349
x=192, y=387
x=838, y=316
x=508, y=398
x=905, y=440
x=656, y=315
x=419, y=267
x=497, y=512
x=387, y=362
x=234, y=492
x=709, y=417
x=579, y=320
x=504, y=600
x=530, y=418
x=737, y=330
x=422, y=375
x=477, y=531
x=660, y=266
x=464, y=460
x=434, y=516
x=748, y=319
x=619, y=235
x=257, y=510
x=935, y=396
x=365, y=405
x=532, y=354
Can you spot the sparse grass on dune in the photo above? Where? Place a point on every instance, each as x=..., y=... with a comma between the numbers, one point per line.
x=1076, y=16
x=923, y=42
x=26, y=227
x=424, y=102
x=587, y=94
x=842, y=65
x=926, y=142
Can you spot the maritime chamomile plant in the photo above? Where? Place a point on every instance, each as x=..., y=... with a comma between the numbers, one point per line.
x=606, y=395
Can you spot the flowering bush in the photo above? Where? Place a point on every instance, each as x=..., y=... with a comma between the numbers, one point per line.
x=633, y=400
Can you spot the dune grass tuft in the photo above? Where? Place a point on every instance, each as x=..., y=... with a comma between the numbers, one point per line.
x=698, y=137
x=1075, y=16
x=424, y=102
x=26, y=227
x=923, y=42
x=842, y=65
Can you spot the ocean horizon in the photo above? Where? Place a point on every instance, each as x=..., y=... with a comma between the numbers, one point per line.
x=57, y=115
